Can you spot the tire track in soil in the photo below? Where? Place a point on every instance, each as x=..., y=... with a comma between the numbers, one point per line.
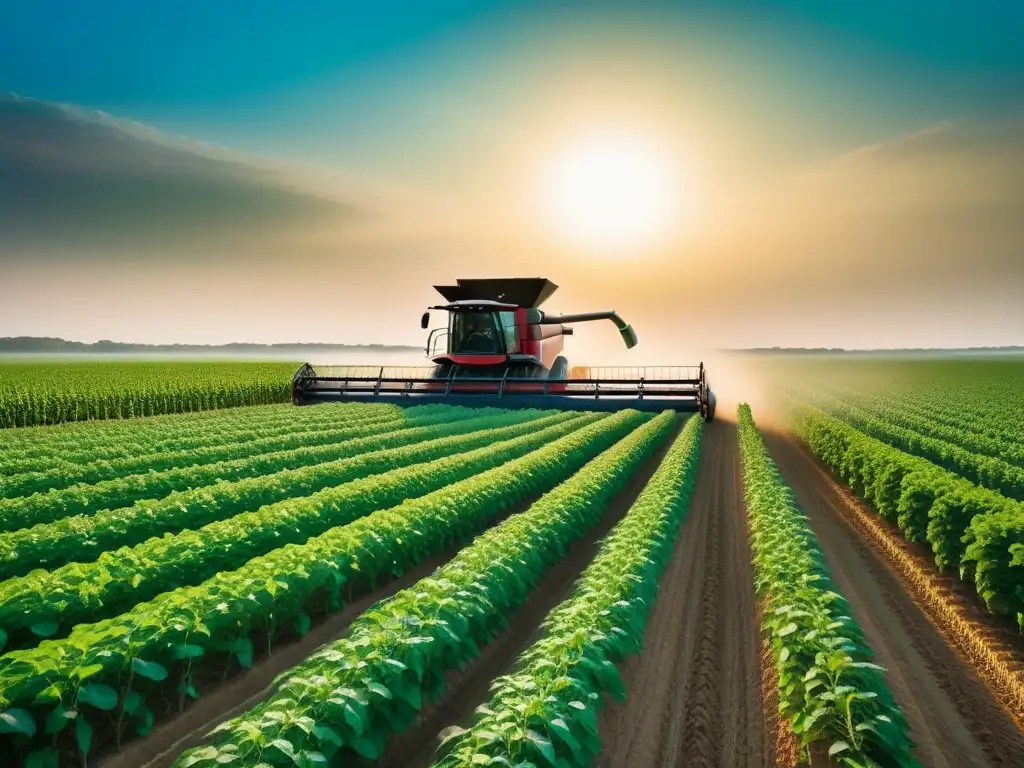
x=469, y=686
x=954, y=721
x=694, y=692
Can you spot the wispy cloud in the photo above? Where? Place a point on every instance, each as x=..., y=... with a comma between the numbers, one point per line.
x=75, y=181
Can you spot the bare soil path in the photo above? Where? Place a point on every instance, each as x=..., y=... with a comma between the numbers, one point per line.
x=694, y=693
x=954, y=720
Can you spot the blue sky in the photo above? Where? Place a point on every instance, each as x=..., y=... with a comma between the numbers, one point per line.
x=345, y=83
x=848, y=173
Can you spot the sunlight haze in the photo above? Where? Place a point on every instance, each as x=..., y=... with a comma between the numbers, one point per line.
x=721, y=178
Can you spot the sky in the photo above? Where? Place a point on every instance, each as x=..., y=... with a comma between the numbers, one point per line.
x=827, y=174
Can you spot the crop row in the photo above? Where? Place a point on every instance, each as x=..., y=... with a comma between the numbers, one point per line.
x=51, y=393
x=829, y=690
x=47, y=603
x=956, y=416
x=546, y=711
x=213, y=495
x=986, y=471
x=973, y=529
x=178, y=433
x=27, y=511
x=923, y=419
x=156, y=647
x=358, y=690
x=62, y=476
x=153, y=430
x=980, y=397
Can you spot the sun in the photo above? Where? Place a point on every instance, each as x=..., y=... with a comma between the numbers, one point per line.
x=611, y=192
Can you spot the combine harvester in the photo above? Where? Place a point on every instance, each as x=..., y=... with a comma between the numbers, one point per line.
x=499, y=349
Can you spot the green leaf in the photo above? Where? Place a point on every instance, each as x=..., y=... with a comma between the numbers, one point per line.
x=447, y=736
x=84, y=673
x=83, y=734
x=243, y=652
x=560, y=727
x=286, y=747
x=47, y=757
x=51, y=694
x=354, y=719
x=100, y=696
x=132, y=701
x=45, y=628
x=366, y=747
x=181, y=651
x=381, y=690
x=410, y=692
x=17, y=721
x=302, y=622
x=543, y=745
x=789, y=629
x=58, y=719
x=3, y=639
x=149, y=670
x=837, y=747
x=200, y=755
x=327, y=735
x=142, y=720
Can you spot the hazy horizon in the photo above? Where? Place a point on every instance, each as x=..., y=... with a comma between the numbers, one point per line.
x=798, y=177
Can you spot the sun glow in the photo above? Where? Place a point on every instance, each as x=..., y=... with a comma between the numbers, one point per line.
x=612, y=192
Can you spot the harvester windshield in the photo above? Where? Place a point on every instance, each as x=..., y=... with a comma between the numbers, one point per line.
x=478, y=333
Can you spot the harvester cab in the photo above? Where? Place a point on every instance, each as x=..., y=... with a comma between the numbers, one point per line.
x=499, y=348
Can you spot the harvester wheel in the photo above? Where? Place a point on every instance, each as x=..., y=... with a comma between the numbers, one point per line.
x=708, y=411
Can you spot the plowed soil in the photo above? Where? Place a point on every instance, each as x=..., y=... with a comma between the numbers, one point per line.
x=954, y=721
x=694, y=693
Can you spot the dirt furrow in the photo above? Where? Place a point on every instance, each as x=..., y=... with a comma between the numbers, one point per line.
x=954, y=720
x=701, y=734
x=693, y=694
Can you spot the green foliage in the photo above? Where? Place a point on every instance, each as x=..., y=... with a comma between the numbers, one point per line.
x=546, y=711
x=884, y=423
x=80, y=592
x=52, y=393
x=269, y=595
x=969, y=528
x=345, y=700
x=829, y=689
x=38, y=448
x=211, y=492
x=90, y=471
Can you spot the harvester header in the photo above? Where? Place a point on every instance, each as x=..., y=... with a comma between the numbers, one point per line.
x=498, y=348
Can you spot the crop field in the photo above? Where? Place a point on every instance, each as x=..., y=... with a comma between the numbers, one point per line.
x=834, y=578
x=33, y=394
